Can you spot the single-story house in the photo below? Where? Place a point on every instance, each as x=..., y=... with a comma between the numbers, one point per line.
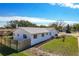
x=34, y=34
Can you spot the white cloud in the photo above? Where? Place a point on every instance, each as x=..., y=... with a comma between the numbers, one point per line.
x=31, y=19
x=38, y=21
x=71, y=22
x=71, y=5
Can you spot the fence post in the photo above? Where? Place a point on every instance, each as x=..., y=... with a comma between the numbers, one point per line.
x=0, y=42
x=17, y=45
x=9, y=43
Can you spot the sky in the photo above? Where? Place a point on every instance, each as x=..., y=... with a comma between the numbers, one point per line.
x=39, y=13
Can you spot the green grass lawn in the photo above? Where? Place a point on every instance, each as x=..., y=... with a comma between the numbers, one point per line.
x=57, y=46
x=16, y=54
x=20, y=54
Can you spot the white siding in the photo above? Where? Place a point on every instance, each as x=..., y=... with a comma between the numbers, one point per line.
x=20, y=32
x=39, y=38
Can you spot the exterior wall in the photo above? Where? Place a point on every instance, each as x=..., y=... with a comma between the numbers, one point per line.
x=54, y=32
x=20, y=32
x=40, y=38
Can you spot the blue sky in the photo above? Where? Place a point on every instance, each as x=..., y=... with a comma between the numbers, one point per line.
x=50, y=12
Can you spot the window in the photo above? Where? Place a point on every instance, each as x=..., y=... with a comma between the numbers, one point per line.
x=43, y=35
x=24, y=36
x=17, y=34
x=56, y=34
x=50, y=33
x=35, y=36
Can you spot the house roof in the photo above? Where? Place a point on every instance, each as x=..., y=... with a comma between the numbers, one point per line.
x=35, y=30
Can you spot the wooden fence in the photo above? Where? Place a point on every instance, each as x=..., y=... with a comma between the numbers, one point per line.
x=16, y=44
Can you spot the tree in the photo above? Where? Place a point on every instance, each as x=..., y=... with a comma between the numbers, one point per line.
x=68, y=29
x=42, y=26
x=21, y=23
x=75, y=27
x=57, y=25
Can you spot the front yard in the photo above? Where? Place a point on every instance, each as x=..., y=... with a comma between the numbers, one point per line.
x=57, y=46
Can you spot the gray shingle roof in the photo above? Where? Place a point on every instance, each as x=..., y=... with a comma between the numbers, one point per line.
x=35, y=30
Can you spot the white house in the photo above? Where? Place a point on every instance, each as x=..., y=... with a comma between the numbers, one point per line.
x=35, y=35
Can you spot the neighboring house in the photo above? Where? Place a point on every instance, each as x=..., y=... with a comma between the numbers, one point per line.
x=35, y=35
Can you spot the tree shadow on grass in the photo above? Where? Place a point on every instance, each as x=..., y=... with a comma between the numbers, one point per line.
x=5, y=51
